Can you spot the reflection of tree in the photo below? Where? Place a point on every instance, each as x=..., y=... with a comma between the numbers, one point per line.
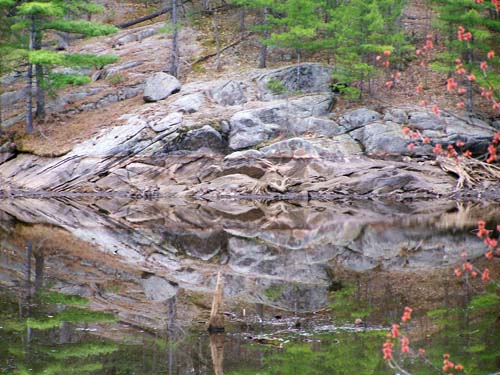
x=172, y=333
x=217, y=351
x=29, y=333
x=344, y=354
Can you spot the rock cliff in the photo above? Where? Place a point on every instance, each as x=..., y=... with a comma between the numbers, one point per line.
x=241, y=136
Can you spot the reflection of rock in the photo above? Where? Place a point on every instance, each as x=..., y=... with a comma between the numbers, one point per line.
x=132, y=256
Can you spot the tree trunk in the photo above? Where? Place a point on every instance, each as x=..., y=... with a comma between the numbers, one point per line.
x=469, y=103
x=263, y=48
x=215, y=20
x=242, y=21
x=174, y=57
x=40, y=92
x=29, y=86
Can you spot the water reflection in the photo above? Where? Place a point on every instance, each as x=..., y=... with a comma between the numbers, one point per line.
x=293, y=271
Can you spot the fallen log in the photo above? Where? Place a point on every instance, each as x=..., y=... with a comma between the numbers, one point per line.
x=155, y=14
x=133, y=22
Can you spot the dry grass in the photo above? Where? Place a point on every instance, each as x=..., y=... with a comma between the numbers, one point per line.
x=58, y=134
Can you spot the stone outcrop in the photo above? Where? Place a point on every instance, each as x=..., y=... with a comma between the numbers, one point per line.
x=291, y=80
x=229, y=93
x=201, y=142
x=251, y=127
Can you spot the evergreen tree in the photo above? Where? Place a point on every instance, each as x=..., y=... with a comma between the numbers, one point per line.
x=358, y=31
x=472, y=30
x=297, y=25
x=36, y=19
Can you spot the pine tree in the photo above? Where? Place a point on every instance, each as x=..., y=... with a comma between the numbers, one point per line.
x=36, y=18
x=297, y=25
x=472, y=29
x=358, y=31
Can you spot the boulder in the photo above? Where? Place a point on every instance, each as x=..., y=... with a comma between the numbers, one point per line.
x=387, y=138
x=396, y=115
x=316, y=126
x=229, y=93
x=301, y=78
x=251, y=127
x=449, y=128
x=189, y=103
x=203, y=137
x=9, y=98
x=7, y=151
x=159, y=86
x=247, y=130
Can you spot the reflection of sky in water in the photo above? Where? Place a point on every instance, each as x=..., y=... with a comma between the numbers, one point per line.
x=153, y=265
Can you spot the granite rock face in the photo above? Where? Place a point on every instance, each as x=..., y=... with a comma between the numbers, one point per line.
x=228, y=94
x=301, y=78
x=221, y=138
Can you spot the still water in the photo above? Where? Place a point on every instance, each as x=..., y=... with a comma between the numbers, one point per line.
x=118, y=286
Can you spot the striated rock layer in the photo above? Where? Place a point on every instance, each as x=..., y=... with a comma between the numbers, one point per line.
x=239, y=137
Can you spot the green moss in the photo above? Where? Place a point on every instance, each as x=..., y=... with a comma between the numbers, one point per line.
x=276, y=87
x=61, y=298
x=344, y=305
x=115, y=79
x=199, y=68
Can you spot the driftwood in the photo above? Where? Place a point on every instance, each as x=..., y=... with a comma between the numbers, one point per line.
x=216, y=322
x=206, y=57
x=470, y=171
